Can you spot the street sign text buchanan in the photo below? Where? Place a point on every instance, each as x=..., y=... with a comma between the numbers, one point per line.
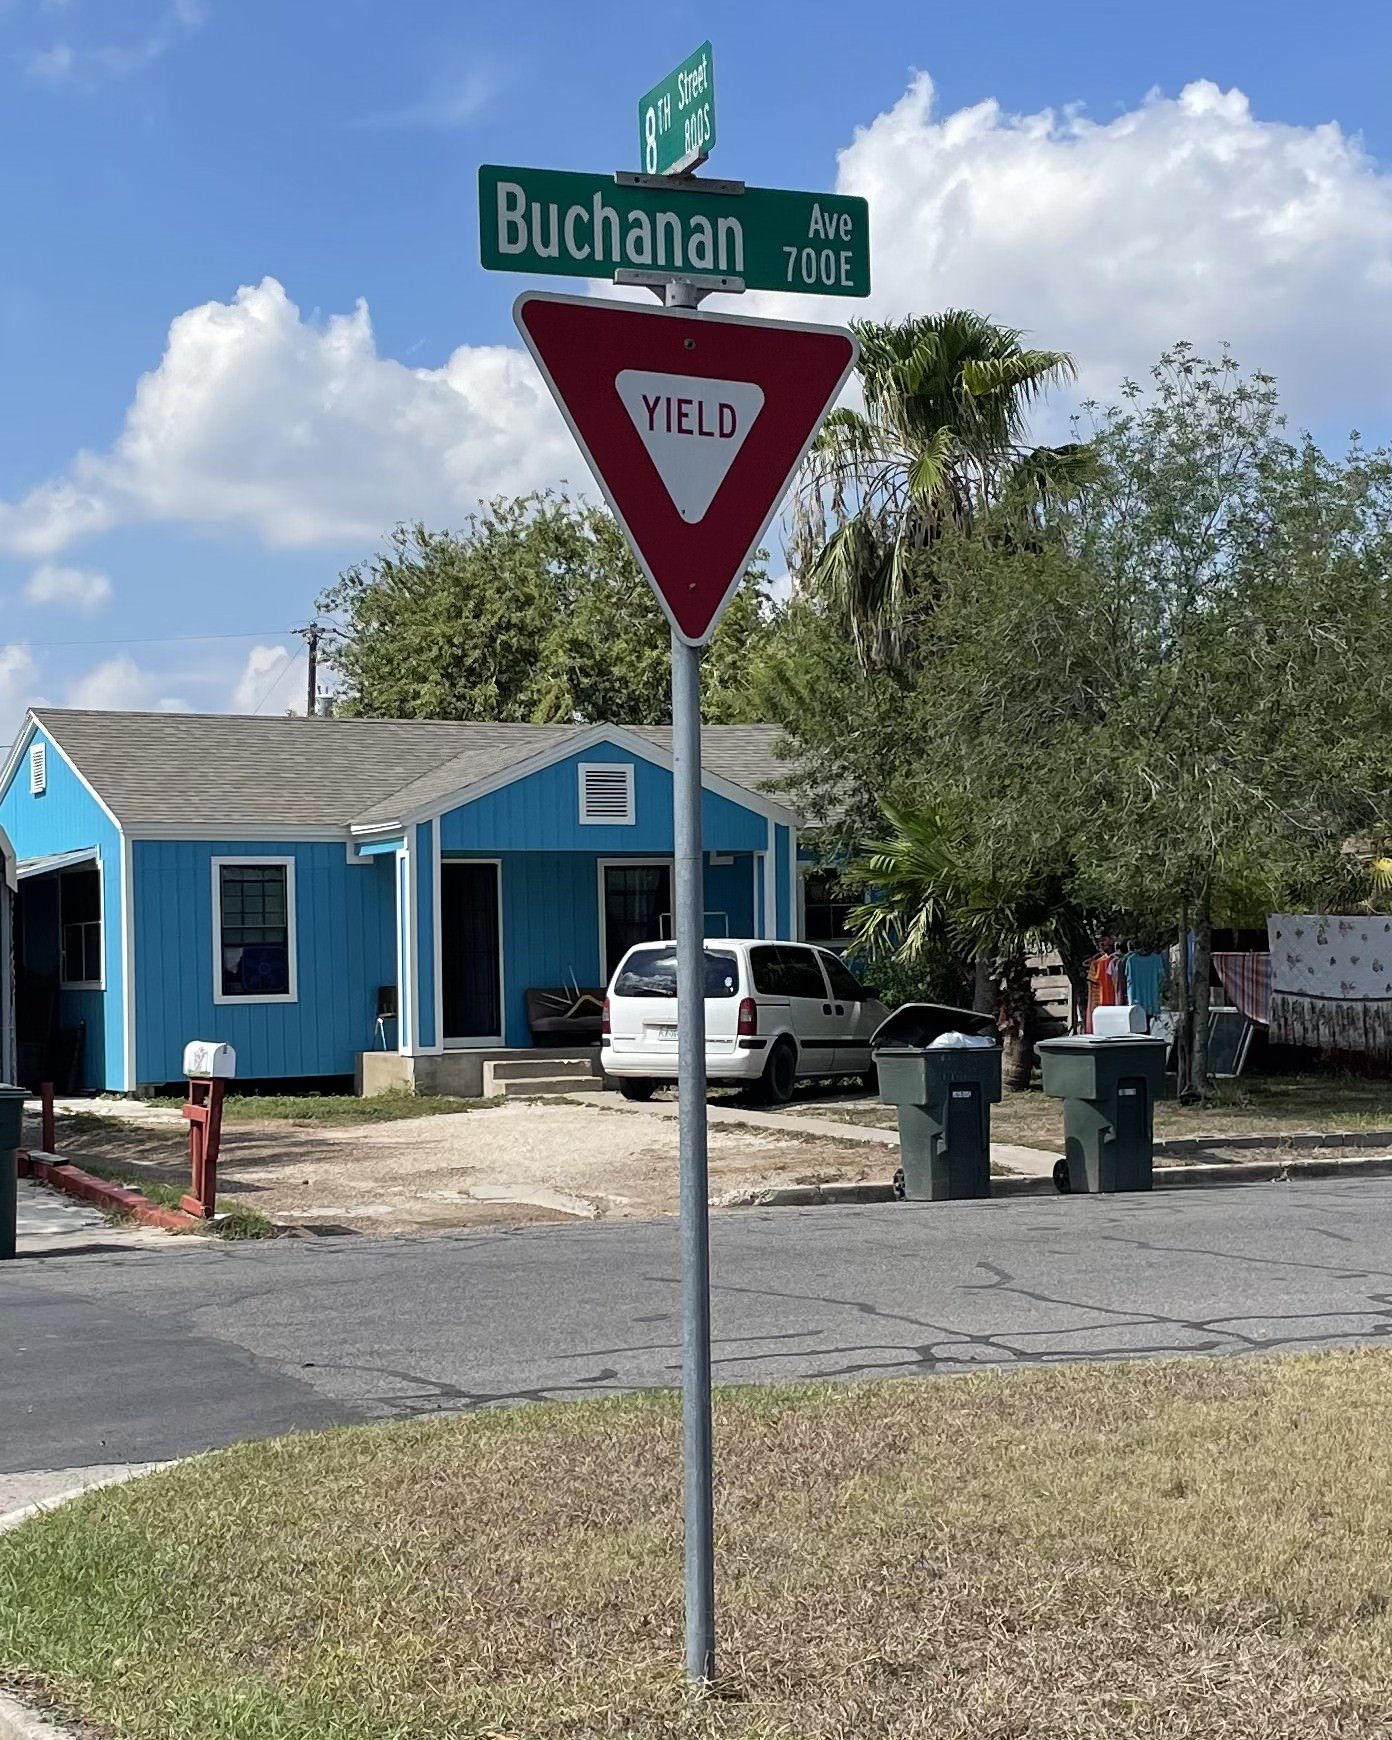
x=555, y=222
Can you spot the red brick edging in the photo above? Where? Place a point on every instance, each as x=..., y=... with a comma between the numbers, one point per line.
x=103, y=1193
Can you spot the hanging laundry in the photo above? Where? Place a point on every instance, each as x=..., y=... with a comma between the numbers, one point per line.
x=1145, y=973
x=1246, y=979
x=1331, y=980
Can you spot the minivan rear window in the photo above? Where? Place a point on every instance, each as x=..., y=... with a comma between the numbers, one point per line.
x=653, y=973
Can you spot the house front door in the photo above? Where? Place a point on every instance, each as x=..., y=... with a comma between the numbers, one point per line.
x=637, y=909
x=471, y=955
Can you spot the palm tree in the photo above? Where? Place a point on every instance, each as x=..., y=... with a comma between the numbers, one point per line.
x=940, y=442
x=925, y=891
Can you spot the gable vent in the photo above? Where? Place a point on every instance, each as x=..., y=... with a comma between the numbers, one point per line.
x=606, y=793
x=38, y=768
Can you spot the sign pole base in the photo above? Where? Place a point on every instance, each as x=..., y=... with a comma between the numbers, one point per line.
x=689, y=912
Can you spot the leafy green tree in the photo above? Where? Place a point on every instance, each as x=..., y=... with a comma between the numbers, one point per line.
x=1192, y=722
x=535, y=612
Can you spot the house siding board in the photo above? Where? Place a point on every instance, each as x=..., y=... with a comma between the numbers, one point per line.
x=67, y=818
x=541, y=813
x=782, y=851
x=344, y=947
x=730, y=889
x=424, y=862
x=551, y=921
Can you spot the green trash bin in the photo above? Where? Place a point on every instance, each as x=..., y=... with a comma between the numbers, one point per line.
x=1108, y=1087
x=11, y=1134
x=943, y=1095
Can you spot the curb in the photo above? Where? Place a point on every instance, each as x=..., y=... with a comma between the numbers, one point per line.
x=58, y=1174
x=1165, y=1178
x=1286, y=1138
x=17, y=1720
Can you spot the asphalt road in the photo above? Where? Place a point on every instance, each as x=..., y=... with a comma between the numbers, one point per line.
x=119, y=1355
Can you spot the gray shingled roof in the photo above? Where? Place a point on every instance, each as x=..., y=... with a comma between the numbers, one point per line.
x=235, y=770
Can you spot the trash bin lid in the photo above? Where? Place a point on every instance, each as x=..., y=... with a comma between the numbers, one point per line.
x=1099, y=1042
x=914, y=1026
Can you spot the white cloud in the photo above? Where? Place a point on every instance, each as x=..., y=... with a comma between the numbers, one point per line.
x=19, y=688
x=273, y=680
x=79, y=588
x=1186, y=217
x=85, y=68
x=120, y=683
x=303, y=433
x=450, y=102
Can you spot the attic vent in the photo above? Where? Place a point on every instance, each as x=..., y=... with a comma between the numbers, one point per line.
x=606, y=793
x=38, y=768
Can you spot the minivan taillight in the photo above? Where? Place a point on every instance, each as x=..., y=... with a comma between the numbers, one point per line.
x=604, y=1021
x=748, y=1018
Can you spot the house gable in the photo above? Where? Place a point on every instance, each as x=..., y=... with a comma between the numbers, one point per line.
x=542, y=811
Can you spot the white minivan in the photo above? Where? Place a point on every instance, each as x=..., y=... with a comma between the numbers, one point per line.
x=775, y=1011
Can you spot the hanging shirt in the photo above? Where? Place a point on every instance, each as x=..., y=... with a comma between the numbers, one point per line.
x=1144, y=974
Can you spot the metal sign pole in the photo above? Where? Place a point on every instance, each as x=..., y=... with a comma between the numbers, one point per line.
x=689, y=915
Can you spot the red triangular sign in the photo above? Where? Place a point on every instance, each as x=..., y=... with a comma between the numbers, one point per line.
x=693, y=425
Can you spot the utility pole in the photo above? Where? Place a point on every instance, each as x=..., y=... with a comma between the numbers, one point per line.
x=312, y=635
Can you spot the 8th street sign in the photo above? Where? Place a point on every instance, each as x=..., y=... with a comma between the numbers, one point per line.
x=676, y=120
x=556, y=223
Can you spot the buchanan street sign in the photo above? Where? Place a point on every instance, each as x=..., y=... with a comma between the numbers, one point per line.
x=556, y=223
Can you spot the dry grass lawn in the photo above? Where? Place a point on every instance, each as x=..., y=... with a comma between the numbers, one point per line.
x=1195, y=1550
x=1248, y=1106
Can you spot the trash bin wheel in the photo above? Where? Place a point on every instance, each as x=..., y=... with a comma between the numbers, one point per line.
x=1061, y=1179
x=898, y=1183
x=777, y=1082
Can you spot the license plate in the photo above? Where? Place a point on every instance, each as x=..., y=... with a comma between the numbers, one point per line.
x=664, y=1035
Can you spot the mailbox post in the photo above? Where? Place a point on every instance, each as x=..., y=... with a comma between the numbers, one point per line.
x=208, y=1066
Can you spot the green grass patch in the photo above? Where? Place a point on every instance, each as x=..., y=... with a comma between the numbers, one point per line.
x=236, y=1221
x=1189, y=1550
x=335, y=1108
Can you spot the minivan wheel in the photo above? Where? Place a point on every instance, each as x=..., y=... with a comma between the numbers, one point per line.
x=777, y=1082
x=635, y=1088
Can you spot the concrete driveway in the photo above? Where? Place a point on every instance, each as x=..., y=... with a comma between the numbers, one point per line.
x=115, y=1358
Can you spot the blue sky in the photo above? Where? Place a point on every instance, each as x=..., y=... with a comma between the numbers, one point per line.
x=1109, y=176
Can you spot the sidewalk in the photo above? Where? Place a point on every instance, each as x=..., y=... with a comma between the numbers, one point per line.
x=51, y=1225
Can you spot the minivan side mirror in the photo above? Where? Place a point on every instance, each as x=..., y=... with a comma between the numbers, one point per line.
x=869, y=991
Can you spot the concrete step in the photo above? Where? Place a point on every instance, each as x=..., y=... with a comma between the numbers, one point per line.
x=501, y=1072
x=544, y=1084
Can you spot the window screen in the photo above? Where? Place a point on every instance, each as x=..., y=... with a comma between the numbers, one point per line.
x=255, y=934
x=79, y=906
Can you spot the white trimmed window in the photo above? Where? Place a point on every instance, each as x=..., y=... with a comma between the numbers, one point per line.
x=80, y=930
x=254, y=930
x=606, y=794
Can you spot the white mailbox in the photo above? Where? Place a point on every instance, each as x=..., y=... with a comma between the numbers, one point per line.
x=207, y=1057
x=1119, y=1021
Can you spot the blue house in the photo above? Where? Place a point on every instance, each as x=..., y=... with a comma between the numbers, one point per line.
x=341, y=898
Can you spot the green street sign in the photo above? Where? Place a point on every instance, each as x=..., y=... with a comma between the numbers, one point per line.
x=676, y=120
x=556, y=223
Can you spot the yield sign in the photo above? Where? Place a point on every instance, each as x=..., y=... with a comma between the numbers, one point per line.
x=693, y=425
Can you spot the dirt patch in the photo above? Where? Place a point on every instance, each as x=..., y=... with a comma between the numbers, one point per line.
x=509, y=1164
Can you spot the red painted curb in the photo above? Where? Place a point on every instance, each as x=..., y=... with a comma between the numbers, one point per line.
x=100, y=1191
